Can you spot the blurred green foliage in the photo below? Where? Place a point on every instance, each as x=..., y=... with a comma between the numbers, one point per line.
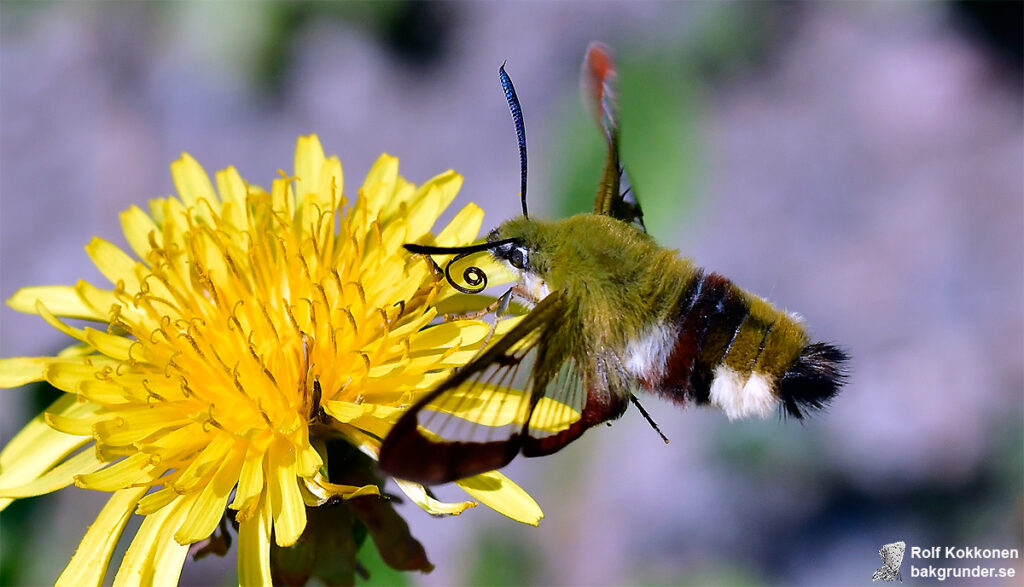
x=502, y=558
x=19, y=524
x=380, y=574
x=660, y=139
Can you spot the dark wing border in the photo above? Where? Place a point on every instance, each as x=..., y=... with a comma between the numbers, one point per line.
x=407, y=453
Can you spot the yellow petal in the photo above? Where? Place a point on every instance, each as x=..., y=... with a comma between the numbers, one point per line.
x=288, y=508
x=448, y=334
x=156, y=500
x=34, y=440
x=51, y=319
x=102, y=301
x=413, y=324
x=80, y=426
x=332, y=183
x=133, y=469
x=463, y=228
x=62, y=300
x=208, y=509
x=394, y=236
x=391, y=390
x=447, y=184
x=321, y=490
x=150, y=557
x=254, y=549
x=250, y=482
x=137, y=227
x=231, y=188
x=379, y=184
x=131, y=425
x=441, y=361
x=344, y=411
x=56, y=478
x=202, y=465
x=309, y=159
x=499, y=493
x=348, y=411
x=464, y=303
x=192, y=183
x=233, y=192
x=168, y=558
x=115, y=347
x=113, y=263
x=89, y=564
x=182, y=440
x=68, y=376
x=22, y=370
x=377, y=420
x=418, y=494
x=109, y=393
x=423, y=211
x=307, y=459
x=37, y=447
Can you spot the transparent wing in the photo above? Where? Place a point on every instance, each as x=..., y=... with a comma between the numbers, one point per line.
x=598, y=87
x=476, y=421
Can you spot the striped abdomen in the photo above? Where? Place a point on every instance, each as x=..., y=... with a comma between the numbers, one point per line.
x=732, y=349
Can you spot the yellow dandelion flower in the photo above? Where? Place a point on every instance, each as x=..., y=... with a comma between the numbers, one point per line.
x=255, y=329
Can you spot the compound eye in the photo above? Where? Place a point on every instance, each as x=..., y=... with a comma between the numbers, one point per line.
x=517, y=258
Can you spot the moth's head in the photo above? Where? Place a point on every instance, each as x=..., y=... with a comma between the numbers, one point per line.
x=520, y=244
x=522, y=247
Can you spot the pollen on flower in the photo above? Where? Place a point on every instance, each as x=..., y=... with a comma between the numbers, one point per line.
x=251, y=328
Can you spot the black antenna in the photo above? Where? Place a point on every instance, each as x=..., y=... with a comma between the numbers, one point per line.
x=517, y=117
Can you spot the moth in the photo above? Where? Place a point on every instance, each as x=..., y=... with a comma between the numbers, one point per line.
x=612, y=313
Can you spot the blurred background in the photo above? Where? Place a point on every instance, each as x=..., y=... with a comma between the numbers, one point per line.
x=860, y=163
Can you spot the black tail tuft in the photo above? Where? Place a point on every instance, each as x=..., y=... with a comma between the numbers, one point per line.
x=813, y=379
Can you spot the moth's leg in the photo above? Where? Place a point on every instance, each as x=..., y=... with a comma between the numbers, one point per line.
x=520, y=291
x=435, y=268
x=503, y=303
x=500, y=309
x=474, y=315
x=499, y=306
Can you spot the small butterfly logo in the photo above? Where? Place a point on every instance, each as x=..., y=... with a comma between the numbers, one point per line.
x=892, y=558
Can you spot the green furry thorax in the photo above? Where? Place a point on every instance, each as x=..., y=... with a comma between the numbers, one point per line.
x=618, y=281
